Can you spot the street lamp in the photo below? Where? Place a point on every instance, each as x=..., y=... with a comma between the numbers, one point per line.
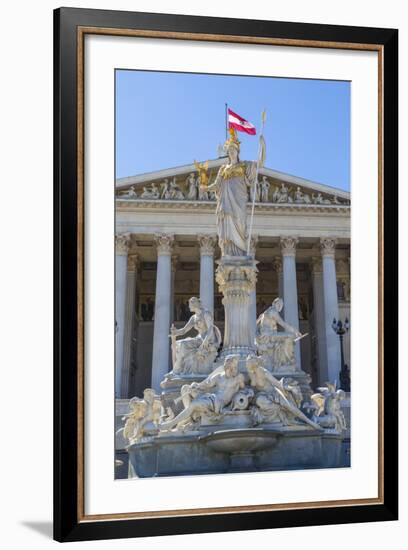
x=341, y=329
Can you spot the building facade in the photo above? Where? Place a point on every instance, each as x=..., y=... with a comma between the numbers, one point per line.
x=166, y=252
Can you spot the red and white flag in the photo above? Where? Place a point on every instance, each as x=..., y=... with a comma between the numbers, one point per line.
x=240, y=124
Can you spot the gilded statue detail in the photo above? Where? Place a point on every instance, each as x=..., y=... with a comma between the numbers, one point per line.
x=231, y=191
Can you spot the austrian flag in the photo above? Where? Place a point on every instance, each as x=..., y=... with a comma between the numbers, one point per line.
x=240, y=124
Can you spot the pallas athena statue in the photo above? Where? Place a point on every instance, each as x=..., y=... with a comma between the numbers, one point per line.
x=231, y=191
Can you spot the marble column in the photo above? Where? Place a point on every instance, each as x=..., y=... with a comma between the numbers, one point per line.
x=130, y=314
x=207, y=246
x=162, y=306
x=290, y=295
x=277, y=265
x=319, y=319
x=252, y=297
x=174, y=266
x=331, y=307
x=122, y=243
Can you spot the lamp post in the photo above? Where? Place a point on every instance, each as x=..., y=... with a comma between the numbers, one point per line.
x=341, y=329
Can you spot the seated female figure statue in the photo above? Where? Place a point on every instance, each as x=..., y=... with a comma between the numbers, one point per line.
x=196, y=354
x=276, y=347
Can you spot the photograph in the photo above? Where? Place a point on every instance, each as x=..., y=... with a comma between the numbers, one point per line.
x=225, y=269
x=232, y=198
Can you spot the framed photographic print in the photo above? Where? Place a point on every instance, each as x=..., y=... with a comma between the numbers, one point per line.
x=225, y=274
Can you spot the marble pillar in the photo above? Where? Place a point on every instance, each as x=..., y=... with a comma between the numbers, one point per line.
x=175, y=260
x=122, y=243
x=236, y=278
x=290, y=295
x=162, y=306
x=130, y=314
x=277, y=265
x=207, y=246
x=319, y=319
x=331, y=307
x=252, y=297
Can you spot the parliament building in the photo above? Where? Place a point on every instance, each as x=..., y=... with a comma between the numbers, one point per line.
x=167, y=252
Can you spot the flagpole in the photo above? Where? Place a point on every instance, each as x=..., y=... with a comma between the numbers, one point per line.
x=226, y=121
x=255, y=182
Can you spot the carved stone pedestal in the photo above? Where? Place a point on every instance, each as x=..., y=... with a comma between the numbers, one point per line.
x=236, y=278
x=223, y=450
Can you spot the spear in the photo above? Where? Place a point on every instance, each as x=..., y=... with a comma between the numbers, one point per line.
x=259, y=162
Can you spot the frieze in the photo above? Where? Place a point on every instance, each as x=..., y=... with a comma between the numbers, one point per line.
x=209, y=206
x=187, y=188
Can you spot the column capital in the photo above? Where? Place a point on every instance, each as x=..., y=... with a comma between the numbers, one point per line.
x=316, y=265
x=277, y=264
x=328, y=246
x=164, y=243
x=133, y=262
x=207, y=244
x=122, y=243
x=252, y=244
x=288, y=245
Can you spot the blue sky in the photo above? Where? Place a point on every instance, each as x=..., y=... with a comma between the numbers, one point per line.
x=169, y=119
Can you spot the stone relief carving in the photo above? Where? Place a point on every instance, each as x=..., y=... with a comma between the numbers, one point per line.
x=192, y=186
x=236, y=279
x=144, y=415
x=276, y=348
x=265, y=186
x=301, y=198
x=319, y=199
x=195, y=354
x=171, y=190
x=198, y=188
x=152, y=193
x=281, y=195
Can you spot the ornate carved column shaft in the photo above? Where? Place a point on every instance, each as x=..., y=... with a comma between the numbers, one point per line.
x=319, y=318
x=207, y=247
x=130, y=313
x=290, y=295
x=161, y=341
x=237, y=278
x=331, y=307
x=122, y=242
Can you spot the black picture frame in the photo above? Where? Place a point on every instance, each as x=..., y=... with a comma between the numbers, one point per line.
x=68, y=525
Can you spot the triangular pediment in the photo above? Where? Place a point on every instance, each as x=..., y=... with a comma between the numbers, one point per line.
x=274, y=187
